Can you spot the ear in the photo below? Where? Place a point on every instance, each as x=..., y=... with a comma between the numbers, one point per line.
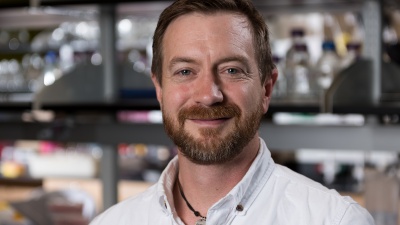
x=157, y=86
x=268, y=87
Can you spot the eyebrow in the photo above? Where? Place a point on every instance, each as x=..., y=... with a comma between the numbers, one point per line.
x=177, y=60
x=237, y=58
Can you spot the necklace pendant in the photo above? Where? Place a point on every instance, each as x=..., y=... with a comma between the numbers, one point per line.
x=201, y=221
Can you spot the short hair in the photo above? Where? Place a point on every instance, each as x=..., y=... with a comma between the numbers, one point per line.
x=259, y=29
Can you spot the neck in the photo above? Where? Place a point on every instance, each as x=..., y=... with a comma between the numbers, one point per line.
x=204, y=185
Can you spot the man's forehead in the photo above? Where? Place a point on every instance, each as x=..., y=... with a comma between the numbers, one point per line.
x=196, y=26
x=239, y=19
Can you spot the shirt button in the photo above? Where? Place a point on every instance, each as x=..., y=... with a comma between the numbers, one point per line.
x=239, y=208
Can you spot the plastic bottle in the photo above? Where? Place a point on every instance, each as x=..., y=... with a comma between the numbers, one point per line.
x=327, y=65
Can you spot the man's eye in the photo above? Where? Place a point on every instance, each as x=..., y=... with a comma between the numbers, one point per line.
x=185, y=72
x=232, y=71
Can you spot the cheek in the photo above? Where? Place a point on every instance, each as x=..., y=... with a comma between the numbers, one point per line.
x=175, y=97
x=250, y=94
x=252, y=99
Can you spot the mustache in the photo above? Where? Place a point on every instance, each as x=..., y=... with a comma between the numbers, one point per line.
x=220, y=111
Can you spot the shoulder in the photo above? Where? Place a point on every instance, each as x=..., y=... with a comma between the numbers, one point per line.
x=290, y=179
x=298, y=192
x=284, y=175
x=135, y=208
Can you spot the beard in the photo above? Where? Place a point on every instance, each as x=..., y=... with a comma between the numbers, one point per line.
x=211, y=147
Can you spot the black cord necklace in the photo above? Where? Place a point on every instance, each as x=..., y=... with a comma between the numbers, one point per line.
x=202, y=220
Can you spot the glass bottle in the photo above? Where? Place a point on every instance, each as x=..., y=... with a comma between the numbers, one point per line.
x=51, y=72
x=327, y=65
x=301, y=84
x=298, y=73
x=297, y=38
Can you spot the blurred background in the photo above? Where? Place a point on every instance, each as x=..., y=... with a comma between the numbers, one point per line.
x=80, y=127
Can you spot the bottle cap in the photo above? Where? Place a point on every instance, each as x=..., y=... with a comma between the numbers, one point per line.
x=297, y=32
x=300, y=47
x=50, y=57
x=353, y=46
x=328, y=45
x=276, y=59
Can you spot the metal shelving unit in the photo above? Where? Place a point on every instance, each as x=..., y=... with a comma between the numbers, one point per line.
x=369, y=137
x=372, y=136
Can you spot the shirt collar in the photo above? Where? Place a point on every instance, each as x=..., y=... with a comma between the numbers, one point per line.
x=165, y=186
x=244, y=193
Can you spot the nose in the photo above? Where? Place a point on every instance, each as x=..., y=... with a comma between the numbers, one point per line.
x=207, y=90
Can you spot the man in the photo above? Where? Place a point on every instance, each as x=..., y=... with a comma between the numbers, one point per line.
x=213, y=74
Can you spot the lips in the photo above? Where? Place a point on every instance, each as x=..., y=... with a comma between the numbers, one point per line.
x=215, y=121
x=209, y=118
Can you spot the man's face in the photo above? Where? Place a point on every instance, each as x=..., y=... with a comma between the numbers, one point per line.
x=211, y=96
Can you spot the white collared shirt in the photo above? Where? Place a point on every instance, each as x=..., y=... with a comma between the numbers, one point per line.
x=268, y=194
